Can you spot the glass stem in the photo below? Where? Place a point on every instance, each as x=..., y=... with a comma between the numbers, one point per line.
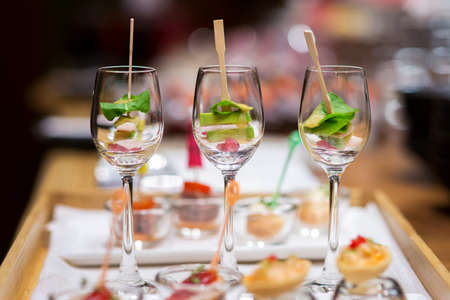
x=227, y=257
x=330, y=274
x=128, y=271
x=333, y=236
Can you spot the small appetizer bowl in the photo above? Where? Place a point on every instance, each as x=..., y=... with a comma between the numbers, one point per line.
x=170, y=280
x=259, y=224
x=195, y=218
x=151, y=225
x=381, y=288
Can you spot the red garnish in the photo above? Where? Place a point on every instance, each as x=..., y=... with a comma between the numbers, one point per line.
x=181, y=295
x=99, y=294
x=144, y=203
x=119, y=199
x=356, y=242
x=324, y=144
x=191, y=187
x=194, y=156
x=230, y=145
x=202, y=277
x=272, y=257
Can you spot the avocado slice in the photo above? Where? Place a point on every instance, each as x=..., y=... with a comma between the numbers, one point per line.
x=236, y=117
x=246, y=133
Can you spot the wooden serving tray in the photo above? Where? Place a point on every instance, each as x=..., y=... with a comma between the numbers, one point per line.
x=21, y=268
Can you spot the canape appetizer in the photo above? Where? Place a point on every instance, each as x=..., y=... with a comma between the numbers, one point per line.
x=227, y=125
x=332, y=130
x=128, y=115
x=274, y=277
x=362, y=260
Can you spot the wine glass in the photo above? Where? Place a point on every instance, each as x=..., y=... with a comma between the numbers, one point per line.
x=228, y=132
x=335, y=142
x=127, y=127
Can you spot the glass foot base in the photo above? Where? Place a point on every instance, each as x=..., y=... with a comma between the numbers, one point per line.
x=322, y=286
x=377, y=288
x=128, y=291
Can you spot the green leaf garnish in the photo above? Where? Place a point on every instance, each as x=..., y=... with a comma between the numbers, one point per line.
x=195, y=279
x=269, y=204
x=323, y=124
x=201, y=268
x=122, y=106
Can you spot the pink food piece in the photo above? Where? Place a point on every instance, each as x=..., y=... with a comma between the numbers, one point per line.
x=324, y=144
x=230, y=145
x=125, y=146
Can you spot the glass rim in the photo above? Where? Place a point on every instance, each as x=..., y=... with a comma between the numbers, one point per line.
x=165, y=207
x=336, y=69
x=124, y=69
x=285, y=204
x=163, y=277
x=228, y=69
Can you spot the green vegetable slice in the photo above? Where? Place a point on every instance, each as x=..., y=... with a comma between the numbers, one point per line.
x=246, y=133
x=122, y=106
x=124, y=119
x=321, y=123
x=226, y=107
x=330, y=127
x=236, y=117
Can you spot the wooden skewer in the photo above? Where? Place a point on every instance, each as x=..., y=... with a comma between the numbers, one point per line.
x=231, y=196
x=215, y=260
x=106, y=258
x=309, y=37
x=219, y=37
x=130, y=57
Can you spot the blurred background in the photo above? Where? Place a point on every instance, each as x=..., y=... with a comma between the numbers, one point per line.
x=403, y=44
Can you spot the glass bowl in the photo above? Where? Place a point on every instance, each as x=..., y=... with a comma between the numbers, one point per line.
x=381, y=288
x=195, y=218
x=151, y=225
x=258, y=224
x=169, y=280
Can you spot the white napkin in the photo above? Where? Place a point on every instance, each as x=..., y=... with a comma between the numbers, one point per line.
x=259, y=174
x=80, y=236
